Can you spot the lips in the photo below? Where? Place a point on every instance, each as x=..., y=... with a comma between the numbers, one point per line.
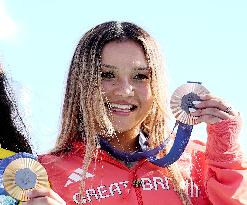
x=121, y=107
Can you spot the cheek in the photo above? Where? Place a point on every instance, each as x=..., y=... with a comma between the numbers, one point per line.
x=145, y=90
x=145, y=94
x=107, y=86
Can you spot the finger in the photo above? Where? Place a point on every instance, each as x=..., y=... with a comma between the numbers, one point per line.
x=218, y=103
x=209, y=119
x=212, y=102
x=215, y=112
x=43, y=201
x=38, y=193
x=208, y=96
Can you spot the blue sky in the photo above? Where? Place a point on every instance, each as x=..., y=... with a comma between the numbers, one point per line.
x=201, y=41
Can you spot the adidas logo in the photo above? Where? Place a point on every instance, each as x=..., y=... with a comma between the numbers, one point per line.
x=76, y=176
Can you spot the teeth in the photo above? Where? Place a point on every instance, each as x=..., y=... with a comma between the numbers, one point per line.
x=113, y=105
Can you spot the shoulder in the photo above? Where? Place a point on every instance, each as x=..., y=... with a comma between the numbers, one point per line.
x=192, y=161
x=58, y=160
x=194, y=154
x=48, y=159
x=196, y=146
x=193, y=150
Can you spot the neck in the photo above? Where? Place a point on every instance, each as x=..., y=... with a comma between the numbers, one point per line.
x=126, y=141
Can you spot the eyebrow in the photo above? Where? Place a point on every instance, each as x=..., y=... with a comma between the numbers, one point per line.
x=136, y=68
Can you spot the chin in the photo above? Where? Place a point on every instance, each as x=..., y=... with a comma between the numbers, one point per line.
x=120, y=127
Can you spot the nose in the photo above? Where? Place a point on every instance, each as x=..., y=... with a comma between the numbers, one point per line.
x=124, y=88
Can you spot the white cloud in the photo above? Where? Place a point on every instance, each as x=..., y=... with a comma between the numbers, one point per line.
x=8, y=27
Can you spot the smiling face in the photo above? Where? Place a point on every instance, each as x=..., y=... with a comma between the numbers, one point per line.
x=126, y=78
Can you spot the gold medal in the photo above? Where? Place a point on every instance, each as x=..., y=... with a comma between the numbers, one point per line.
x=182, y=99
x=22, y=176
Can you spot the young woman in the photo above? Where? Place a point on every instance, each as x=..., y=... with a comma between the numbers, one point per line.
x=115, y=107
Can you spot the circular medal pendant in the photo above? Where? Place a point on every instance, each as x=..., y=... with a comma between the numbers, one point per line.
x=22, y=176
x=182, y=100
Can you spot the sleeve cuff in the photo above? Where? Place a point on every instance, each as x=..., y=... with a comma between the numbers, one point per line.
x=222, y=144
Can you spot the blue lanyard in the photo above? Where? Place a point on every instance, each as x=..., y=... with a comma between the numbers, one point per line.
x=181, y=140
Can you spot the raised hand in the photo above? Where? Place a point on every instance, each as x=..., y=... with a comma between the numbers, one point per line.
x=212, y=109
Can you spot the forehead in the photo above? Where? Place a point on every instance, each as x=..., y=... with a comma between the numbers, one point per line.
x=123, y=53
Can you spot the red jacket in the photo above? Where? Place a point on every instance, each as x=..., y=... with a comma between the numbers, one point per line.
x=215, y=173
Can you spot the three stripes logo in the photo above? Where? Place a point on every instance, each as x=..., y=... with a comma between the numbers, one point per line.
x=76, y=176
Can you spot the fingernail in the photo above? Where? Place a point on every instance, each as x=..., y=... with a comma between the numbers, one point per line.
x=192, y=109
x=196, y=102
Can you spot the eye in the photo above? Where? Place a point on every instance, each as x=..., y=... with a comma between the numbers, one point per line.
x=141, y=76
x=107, y=75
